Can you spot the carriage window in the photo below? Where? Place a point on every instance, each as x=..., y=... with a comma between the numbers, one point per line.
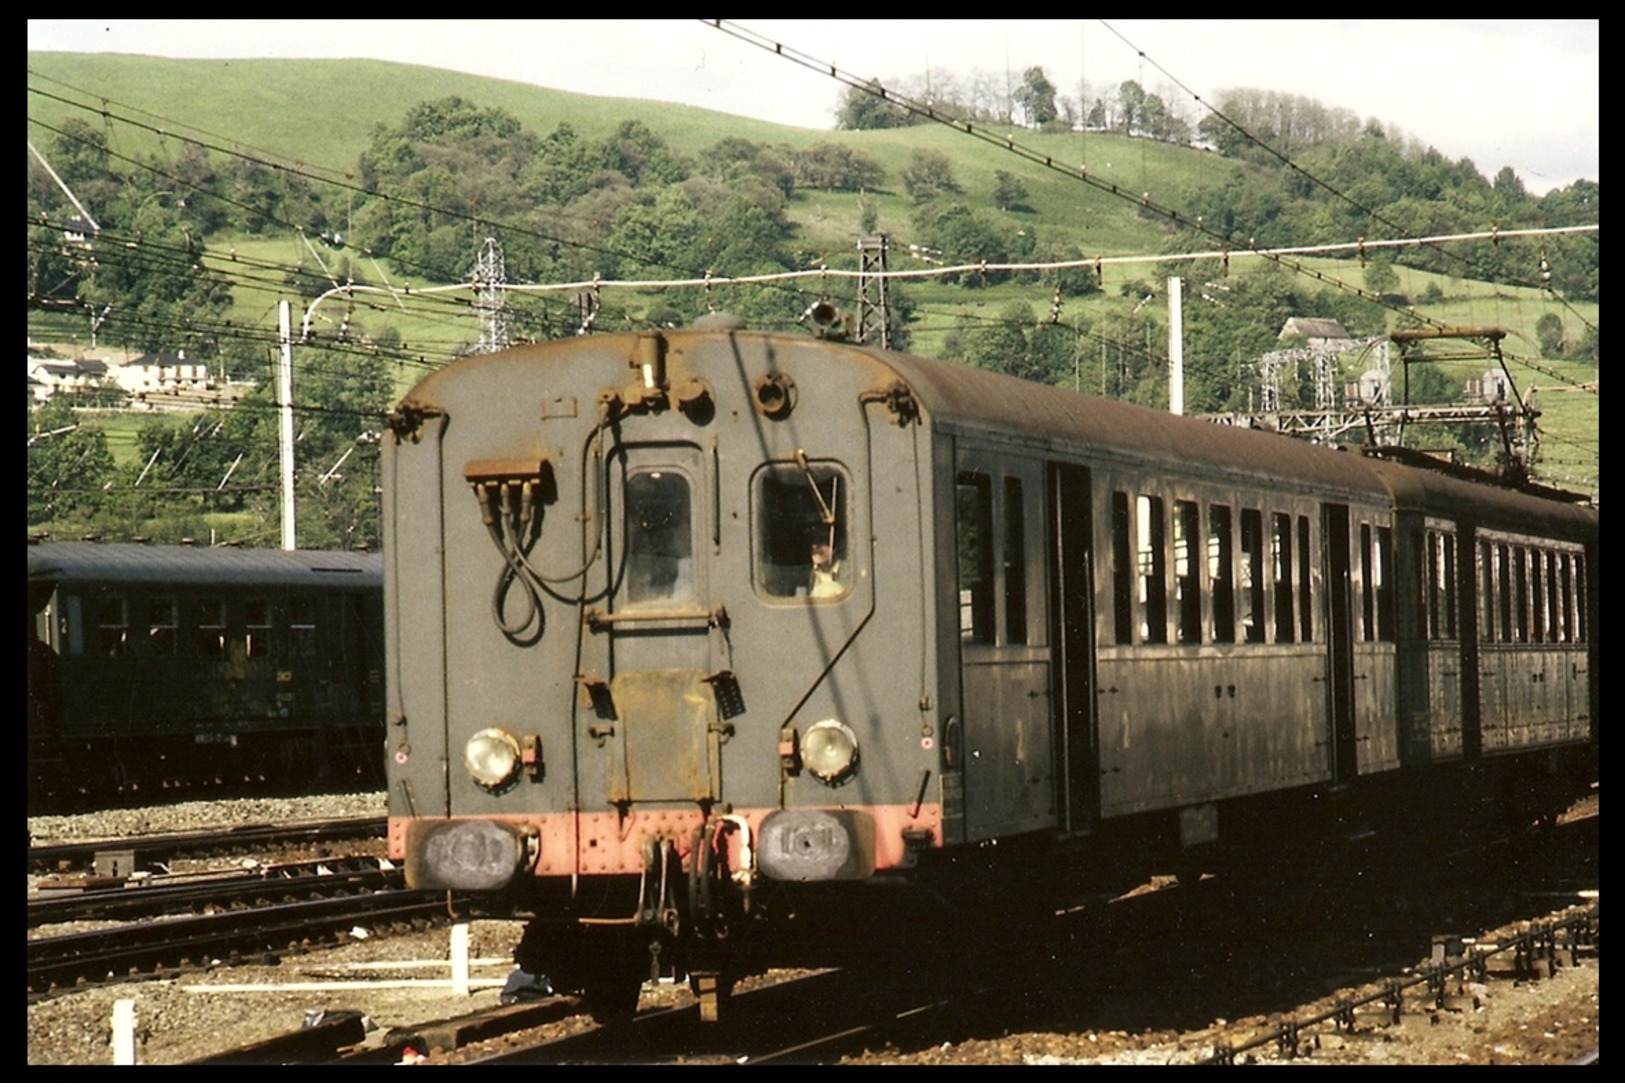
x=1368, y=588
x=973, y=496
x=112, y=626
x=1520, y=598
x=1252, y=575
x=1565, y=600
x=1554, y=602
x=302, y=626
x=1486, y=574
x=1151, y=565
x=801, y=532
x=1440, y=588
x=1306, y=596
x=211, y=628
x=1015, y=564
x=1122, y=570
x=1385, y=584
x=1219, y=566
x=1582, y=631
x=1503, y=590
x=1537, y=595
x=659, y=541
x=162, y=622
x=258, y=620
x=1283, y=576
x=1187, y=578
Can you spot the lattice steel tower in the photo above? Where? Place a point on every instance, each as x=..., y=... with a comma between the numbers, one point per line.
x=874, y=307
x=490, y=281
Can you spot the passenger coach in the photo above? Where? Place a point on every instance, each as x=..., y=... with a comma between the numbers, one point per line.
x=691, y=629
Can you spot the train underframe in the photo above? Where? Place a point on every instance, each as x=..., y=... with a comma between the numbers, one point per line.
x=691, y=913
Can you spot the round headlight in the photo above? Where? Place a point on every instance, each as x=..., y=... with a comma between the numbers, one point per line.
x=829, y=751
x=492, y=758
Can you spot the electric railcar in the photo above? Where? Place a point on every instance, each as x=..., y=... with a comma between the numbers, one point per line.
x=155, y=665
x=695, y=634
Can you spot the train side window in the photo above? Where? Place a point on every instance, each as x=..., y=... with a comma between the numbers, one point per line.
x=1368, y=595
x=1554, y=602
x=211, y=628
x=1187, y=573
x=1306, y=595
x=1447, y=586
x=302, y=625
x=973, y=501
x=112, y=626
x=1122, y=570
x=1282, y=524
x=801, y=532
x=1430, y=584
x=1582, y=625
x=1520, y=591
x=162, y=626
x=257, y=617
x=659, y=538
x=1486, y=593
x=1565, y=600
x=1151, y=565
x=1537, y=595
x=1015, y=563
x=1252, y=575
x=1220, y=573
x=1503, y=590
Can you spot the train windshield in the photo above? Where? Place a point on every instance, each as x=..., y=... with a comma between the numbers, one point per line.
x=659, y=542
x=801, y=545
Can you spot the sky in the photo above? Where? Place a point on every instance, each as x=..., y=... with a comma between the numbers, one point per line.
x=1502, y=93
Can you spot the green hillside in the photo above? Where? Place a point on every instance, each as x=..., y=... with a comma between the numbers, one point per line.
x=320, y=116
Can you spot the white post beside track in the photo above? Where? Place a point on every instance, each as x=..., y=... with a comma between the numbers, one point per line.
x=459, y=959
x=124, y=1032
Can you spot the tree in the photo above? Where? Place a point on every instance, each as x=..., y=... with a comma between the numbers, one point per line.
x=1131, y=106
x=867, y=108
x=1549, y=331
x=1036, y=97
x=929, y=175
x=1009, y=191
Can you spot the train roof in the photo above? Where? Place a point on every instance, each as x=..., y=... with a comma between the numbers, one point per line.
x=158, y=564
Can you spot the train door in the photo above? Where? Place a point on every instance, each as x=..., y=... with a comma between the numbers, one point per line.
x=1076, y=736
x=1339, y=641
x=660, y=627
x=1004, y=627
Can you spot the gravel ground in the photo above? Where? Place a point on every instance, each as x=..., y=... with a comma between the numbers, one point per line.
x=1544, y=1023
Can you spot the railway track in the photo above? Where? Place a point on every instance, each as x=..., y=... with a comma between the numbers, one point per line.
x=214, y=842
x=215, y=892
x=163, y=948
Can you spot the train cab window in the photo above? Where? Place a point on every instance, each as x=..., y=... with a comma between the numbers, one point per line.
x=801, y=543
x=162, y=626
x=1187, y=576
x=1015, y=563
x=1282, y=554
x=659, y=538
x=112, y=626
x=973, y=518
x=257, y=617
x=1220, y=564
x=1252, y=575
x=1122, y=571
x=302, y=626
x=211, y=628
x=1151, y=566
x=1306, y=596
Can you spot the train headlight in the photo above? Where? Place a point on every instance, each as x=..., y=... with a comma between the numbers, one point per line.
x=829, y=751
x=492, y=758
